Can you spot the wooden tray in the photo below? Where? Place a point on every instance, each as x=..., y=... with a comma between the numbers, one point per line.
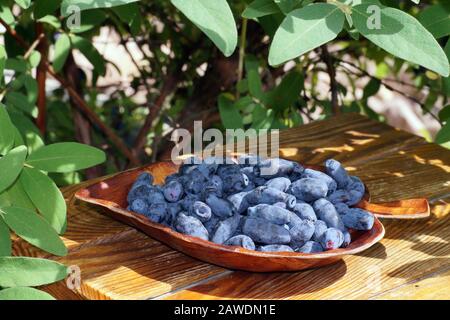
x=111, y=193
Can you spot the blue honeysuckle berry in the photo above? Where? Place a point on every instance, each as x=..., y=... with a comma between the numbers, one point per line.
x=311, y=247
x=358, y=219
x=347, y=238
x=220, y=207
x=304, y=211
x=225, y=229
x=191, y=226
x=239, y=202
x=331, y=183
x=274, y=167
x=335, y=170
x=268, y=195
x=280, y=183
x=326, y=212
x=265, y=232
x=275, y=248
x=295, y=220
x=270, y=213
x=173, y=191
x=241, y=241
x=157, y=211
x=302, y=232
x=319, y=229
x=211, y=224
x=341, y=207
x=139, y=206
x=332, y=239
x=308, y=189
x=201, y=211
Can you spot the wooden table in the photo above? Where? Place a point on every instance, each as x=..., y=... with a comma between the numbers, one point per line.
x=412, y=261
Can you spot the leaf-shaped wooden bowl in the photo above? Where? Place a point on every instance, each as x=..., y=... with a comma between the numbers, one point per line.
x=111, y=193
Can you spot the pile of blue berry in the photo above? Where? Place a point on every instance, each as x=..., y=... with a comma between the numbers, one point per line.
x=238, y=203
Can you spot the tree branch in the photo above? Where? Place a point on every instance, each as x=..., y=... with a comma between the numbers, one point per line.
x=41, y=77
x=328, y=59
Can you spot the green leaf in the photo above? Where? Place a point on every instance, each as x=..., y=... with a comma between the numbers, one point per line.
x=25, y=4
x=444, y=114
x=443, y=135
x=6, y=14
x=18, y=140
x=305, y=29
x=66, y=157
x=436, y=19
x=62, y=50
x=45, y=7
x=214, y=18
x=51, y=20
x=20, y=101
x=15, y=196
x=288, y=91
x=32, y=88
x=5, y=240
x=16, y=65
x=262, y=118
x=255, y=85
x=34, y=229
x=3, y=57
x=90, y=4
x=46, y=196
x=90, y=52
x=231, y=118
x=130, y=15
x=371, y=88
x=260, y=8
x=34, y=59
x=29, y=131
x=6, y=131
x=24, y=272
x=402, y=35
x=287, y=5
x=11, y=165
x=89, y=20
x=24, y=293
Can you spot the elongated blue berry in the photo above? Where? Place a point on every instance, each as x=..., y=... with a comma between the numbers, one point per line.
x=265, y=232
x=191, y=226
x=275, y=248
x=241, y=241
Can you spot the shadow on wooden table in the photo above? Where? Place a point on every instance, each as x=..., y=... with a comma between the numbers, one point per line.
x=405, y=271
x=246, y=285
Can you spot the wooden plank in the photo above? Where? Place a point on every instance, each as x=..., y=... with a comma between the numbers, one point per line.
x=410, y=250
x=350, y=138
x=435, y=287
x=118, y=262
x=129, y=265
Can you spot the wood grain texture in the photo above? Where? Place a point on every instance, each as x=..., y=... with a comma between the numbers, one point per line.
x=410, y=250
x=436, y=286
x=394, y=165
x=131, y=265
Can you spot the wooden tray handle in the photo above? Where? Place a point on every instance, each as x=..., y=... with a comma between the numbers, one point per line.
x=401, y=209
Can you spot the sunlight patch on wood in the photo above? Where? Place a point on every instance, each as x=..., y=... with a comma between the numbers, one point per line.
x=343, y=148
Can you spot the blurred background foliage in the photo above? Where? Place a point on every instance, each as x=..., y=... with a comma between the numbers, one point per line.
x=126, y=76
